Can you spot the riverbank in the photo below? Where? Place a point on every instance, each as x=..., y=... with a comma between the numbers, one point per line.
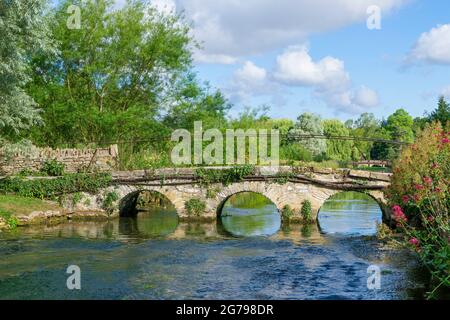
x=22, y=211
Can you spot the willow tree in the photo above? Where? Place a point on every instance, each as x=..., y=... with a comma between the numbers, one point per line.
x=337, y=149
x=23, y=31
x=309, y=124
x=115, y=75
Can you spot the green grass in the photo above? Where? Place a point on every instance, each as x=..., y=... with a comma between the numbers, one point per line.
x=16, y=205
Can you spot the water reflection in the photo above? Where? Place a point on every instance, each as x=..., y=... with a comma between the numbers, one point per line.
x=150, y=224
x=249, y=214
x=350, y=213
x=137, y=258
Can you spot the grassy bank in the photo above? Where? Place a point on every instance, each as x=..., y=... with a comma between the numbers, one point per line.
x=17, y=205
x=12, y=206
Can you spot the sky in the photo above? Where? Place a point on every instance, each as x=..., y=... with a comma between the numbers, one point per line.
x=337, y=58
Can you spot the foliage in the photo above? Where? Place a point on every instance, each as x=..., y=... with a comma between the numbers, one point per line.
x=9, y=219
x=23, y=32
x=76, y=198
x=109, y=199
x=442, y=113
x=365, y=126
x=337, y=149
x=287, y=213
x=295, y=152
x=23, y=147
x=400, y=126
x=283, y=177
x=306, y=211
x=224, y=176
x=420, y=196
x=24, y=206
x=195, y=207
x=212, y=193
x=309, y=123
x=52, y=188
x=53, y=168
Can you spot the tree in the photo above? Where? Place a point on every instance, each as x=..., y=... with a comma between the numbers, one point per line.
x=400, y=126
x=442, y=113
x=115, y=77
x=366, y=126
x=307, y=124
x=337, y=149
x=23, y=31
x=193, y=102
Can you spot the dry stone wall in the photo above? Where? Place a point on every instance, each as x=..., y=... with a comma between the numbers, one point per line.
x=101, y=159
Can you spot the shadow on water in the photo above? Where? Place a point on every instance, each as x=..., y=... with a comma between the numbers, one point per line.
x=350, y=214
x=154, y=256
x=249, y=214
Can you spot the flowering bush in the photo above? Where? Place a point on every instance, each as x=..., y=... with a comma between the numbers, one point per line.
x=420, y=199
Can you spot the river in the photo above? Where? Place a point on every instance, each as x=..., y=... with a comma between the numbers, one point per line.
x=248, y=254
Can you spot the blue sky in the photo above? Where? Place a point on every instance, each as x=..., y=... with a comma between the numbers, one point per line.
x=320, y=56
x=375, y=59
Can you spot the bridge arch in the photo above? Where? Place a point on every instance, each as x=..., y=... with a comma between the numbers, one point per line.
x=264, y=189
x=376, y=196
x=221, y=204
x=128, y=197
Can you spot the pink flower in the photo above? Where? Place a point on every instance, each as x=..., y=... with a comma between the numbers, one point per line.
x=428, y=180
x=405, y=199
x=438, y=190
x=430, y=219
x=418, y=187
x=399, y=215
x=414, y=242
x=445, y=140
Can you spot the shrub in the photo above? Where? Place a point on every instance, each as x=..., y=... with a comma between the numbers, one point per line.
x=212, y=193
x=108, y=201
x=76, y=198
x=195, y=207
x=420, y=197
x=296, y=152
x=53, y=168
x=225, y=176
x=10, y=220
x=306, y=211
x=53, y=188
x=287, y=213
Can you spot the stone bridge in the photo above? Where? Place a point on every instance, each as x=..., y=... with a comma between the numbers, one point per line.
x=289, y=186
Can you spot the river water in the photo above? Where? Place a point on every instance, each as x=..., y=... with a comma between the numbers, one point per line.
x=248, y=254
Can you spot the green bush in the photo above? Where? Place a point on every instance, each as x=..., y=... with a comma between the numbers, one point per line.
x=10, y=220
x=53, y=168
x=295, y=152
x=76, y=198
x=306, y=211
x=287, y=213
x=195, y=207
x=224, y=176
x=108, y=201
x=419, y=194
x=53, y=188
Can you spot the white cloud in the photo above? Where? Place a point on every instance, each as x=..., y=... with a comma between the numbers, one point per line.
x=366, y=97
x=328, y=77
x=432, y=46
x=296, y=67
x=249, y=81
x=214, y=58
x=250, y=73
x=238, y=28
x=166, y=6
